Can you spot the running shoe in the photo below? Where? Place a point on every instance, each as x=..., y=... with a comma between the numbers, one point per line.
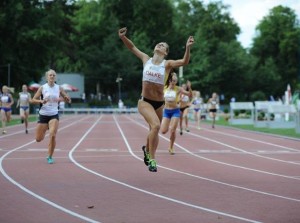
x=50, y=160
x=26, y=131
x=171, y=151
x=152, y=166
x=146, y=156
x=4, y=132
x=180, y=132
x=187, y=129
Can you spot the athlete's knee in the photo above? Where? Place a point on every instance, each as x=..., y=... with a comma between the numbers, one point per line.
x=164, y=131
x=155, y=127
x=52, y=134
x=39, y=139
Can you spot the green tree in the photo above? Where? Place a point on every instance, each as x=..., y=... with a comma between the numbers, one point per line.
x=36, y=36
x=218, y=61
x=103, y=53
x=277, y=48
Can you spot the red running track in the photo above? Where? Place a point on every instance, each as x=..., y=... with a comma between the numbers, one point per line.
x=216, y=175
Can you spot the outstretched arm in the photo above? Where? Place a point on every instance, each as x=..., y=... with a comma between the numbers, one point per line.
x=186, y=57
x=130, y=45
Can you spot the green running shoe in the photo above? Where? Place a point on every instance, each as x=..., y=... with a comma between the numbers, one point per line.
x=152, y=166
x=50, y=160
x=146, y=156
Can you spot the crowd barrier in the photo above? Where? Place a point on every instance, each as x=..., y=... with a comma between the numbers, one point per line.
x=298, y=117
x=270, y=114
x=262, y=115
x=241, y=120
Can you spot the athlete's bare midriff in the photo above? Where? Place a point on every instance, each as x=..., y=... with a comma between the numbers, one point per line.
x=184, y=104
x=153, y=91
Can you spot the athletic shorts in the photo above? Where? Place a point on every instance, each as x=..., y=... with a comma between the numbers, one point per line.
x=44, y=119
x=214, y=110
x=182, y=109
x=171, y=113
x=24, y=107
x=6, y=109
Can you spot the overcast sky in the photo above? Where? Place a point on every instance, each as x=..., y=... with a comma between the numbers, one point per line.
x=248, y=13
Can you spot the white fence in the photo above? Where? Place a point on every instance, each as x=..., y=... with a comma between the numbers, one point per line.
x=298, y=117
x=286, y=116
x=262, y=116
x=242, y=119
x=266, y=114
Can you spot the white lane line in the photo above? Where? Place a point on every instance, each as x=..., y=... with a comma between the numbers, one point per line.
x=255, y=140
x=175, y=200
x=241, y=150
x=41, y=150
x=101, y=150
x=219, y=182
x=29, y=129
x=34, y=194
x=142, y=190
x=219, y=162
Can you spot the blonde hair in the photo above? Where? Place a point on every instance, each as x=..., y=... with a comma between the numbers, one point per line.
x=49, y=72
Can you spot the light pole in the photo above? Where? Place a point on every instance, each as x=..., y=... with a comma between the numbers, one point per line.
x=118, y=80
x=180, y=75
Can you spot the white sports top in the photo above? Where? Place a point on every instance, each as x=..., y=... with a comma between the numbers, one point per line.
x=51, y=94
x=170, y=95
x=214, y=102
x=185, y=98
x=5, y=98
x=154, y=73
x=24, y=98
x=197, y=102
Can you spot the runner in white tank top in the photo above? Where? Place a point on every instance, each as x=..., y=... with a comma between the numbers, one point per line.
x=151, y=103
x=6, y=101
x=48, y=95
x=184, y=104
x=197, y=103
x=213, y=104
x=23, y=103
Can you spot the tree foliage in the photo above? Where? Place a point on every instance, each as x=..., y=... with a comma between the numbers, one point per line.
x=277, y=49
x=81, y=36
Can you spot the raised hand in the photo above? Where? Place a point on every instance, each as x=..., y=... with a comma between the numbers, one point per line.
x=190, y=41
x=122, y=32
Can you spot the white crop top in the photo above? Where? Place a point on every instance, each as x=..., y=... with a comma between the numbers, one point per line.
x=214, y=102
x=170, y=95
x=197, y=102
x=185, y=98
x=5, y=98
x=24, y=97
x=154, y=73
x=51, y=94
